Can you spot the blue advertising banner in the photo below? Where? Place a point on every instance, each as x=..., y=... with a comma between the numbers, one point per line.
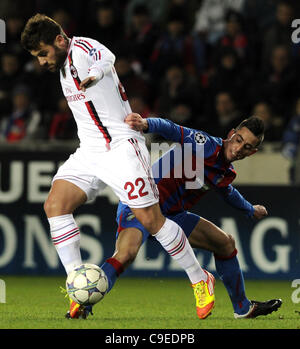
x=267, y=249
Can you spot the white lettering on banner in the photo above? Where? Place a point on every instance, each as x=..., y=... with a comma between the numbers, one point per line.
x=35, y=236
x=296, y=33
x=10, y=240
x=40, y=175
x=35, y=233
x=38, y=178
x=16, y=184
x=296, y=294
x=281, y=262
x=2, y=291
x=88, y=243
x=2, y=31
x=142, y=262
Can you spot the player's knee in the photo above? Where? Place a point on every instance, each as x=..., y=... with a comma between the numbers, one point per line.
x=148, y=221
x=226, y=246
x=49, y=207
x=151, y=218
x=54, y=208
x=229, y=245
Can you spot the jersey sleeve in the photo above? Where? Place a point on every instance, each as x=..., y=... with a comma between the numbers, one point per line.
x=235, y=199
x=166, y=128
x=176, y=133
x=99, y=58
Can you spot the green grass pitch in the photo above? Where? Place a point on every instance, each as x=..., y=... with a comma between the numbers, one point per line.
x=136, y=303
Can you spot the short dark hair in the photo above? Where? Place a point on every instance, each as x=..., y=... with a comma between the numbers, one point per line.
x=255, y=125
x=40, y=28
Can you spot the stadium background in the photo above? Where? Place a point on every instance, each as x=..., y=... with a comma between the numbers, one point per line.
x=204, y=64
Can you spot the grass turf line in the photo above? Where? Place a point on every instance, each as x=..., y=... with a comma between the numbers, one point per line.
x=136, y=303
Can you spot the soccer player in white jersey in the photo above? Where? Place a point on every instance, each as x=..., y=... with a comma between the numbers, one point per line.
x=110, y=153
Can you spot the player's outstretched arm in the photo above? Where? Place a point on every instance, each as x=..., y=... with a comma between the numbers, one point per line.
x=235, y=199
x=136, y=122
x=164, y=127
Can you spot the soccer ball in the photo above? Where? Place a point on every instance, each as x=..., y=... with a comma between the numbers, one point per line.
x=87, y=284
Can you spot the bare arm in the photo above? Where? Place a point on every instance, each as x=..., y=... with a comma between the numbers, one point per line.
x=100, y=61
x=136, y=122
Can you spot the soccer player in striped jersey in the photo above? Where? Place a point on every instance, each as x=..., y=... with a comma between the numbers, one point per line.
x=110, y=152
x=176, y=198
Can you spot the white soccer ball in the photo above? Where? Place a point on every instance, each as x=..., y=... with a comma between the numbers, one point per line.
x=87, y=284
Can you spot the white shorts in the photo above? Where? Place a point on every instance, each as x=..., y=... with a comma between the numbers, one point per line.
x=125, y=168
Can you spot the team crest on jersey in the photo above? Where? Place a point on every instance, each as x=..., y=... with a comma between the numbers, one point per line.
x=92, y=51
x=74, y=72
x=199, y=138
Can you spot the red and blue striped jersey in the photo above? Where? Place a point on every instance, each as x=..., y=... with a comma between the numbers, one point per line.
x=217, y=173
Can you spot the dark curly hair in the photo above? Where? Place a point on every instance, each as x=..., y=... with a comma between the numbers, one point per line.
x=40, y=28
x=255, y=125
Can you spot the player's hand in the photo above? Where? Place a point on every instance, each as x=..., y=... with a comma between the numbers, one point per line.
x=136, y=122
x=259, y=212
x=87, y=83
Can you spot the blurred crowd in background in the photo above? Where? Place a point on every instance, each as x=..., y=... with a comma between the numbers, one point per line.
x=205, y=64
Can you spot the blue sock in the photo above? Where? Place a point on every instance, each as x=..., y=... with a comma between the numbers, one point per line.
x=231, y=274
x=112, y=268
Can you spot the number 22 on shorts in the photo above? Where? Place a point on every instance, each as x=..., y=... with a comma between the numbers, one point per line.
x=136, y=188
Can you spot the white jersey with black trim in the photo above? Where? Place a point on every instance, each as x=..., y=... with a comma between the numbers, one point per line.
x=99, y=112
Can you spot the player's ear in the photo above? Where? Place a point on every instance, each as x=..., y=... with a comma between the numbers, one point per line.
x=231, y=133
x=59, y=40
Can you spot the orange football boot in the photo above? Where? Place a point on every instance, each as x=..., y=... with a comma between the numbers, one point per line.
x=204, y=294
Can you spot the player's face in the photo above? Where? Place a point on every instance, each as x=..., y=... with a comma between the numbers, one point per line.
x=51, y=57
x=240, y=144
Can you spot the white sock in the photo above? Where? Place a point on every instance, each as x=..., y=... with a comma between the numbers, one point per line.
x=174, y=241
x=66, y=239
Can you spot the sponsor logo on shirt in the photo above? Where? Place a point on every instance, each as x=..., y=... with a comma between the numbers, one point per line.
x=75, y=98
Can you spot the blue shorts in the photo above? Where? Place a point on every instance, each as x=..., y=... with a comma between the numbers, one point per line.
x=126, y=219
